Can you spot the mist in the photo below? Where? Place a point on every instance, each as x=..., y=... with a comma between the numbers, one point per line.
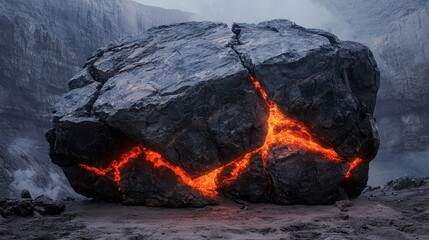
x=303, y=12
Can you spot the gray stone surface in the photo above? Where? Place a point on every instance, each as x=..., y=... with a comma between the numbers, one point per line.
x=184, y=91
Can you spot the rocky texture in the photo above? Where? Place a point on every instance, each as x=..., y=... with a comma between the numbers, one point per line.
x=26, y=207
x=184, y=91
x=16, y=207
x=378, y=214
x=26, y=194
x=406, y=182
x=343, y=205
x=398, y=34
x=330, y=86
x=43, y=43
x=46, y=206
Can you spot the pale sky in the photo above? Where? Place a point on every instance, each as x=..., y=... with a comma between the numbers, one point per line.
x=303, y=12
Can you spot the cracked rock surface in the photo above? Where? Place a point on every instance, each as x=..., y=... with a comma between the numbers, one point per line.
x=183, y=91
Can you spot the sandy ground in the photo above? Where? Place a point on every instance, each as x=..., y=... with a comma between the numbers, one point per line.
x=377, y=214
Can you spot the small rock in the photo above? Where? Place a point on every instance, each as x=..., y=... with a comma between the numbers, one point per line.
x=245, y=207
x=68, y=199
x=46, y=206
x=3, y=231
x=16, y=207
x=343, y=205
x=343, y=216
x=25, y=194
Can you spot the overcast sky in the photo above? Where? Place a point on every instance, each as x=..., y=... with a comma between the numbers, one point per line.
x=303, y=12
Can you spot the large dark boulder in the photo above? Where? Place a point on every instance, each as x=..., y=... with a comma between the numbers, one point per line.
x=266, y=113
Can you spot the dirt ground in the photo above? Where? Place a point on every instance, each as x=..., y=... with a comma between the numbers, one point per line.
x=377, y=214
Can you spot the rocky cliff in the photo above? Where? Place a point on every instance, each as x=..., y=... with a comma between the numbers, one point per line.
x=398, y=34
x=43, y=43
x=271, y=112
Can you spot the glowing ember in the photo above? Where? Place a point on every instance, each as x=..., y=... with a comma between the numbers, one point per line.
x=281, y=131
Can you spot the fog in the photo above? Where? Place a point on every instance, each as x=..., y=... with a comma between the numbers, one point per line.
x=303, y=12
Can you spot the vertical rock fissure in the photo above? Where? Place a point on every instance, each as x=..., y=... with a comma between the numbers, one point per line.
x=266, y=173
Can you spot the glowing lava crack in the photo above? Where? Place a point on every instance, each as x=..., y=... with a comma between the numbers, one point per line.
x=281, y=131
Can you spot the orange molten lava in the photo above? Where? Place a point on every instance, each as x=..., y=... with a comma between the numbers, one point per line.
x=284, y=130
x=281, y=131
x=352, y=166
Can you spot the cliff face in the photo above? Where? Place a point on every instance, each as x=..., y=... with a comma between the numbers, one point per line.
x=398, y=34
x=43, y=43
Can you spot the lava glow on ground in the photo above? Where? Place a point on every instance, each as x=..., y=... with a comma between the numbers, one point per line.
x=281, y=131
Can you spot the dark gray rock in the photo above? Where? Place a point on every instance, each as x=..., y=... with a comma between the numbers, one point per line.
x=26, y=207
x=257, y=183
x=46, y=206
x=26, y=194
x=16, y=207
x=303, y=178
x=81, y=79
x=184, y=91
x=343, y=205
x=141, y=184
x=77, y=101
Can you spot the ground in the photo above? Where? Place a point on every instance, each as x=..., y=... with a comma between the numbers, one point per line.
x=377, y=214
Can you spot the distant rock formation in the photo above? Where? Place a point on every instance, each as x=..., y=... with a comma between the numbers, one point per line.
x=42, y=44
